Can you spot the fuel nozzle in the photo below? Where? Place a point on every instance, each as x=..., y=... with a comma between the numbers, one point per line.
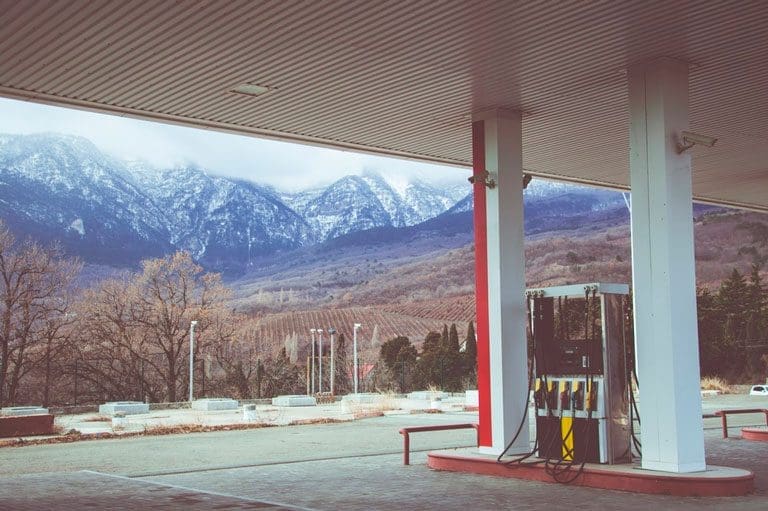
x=578, y=395
x=591, y=396
x=565, y=395
x=539, y=395
x=551, y=395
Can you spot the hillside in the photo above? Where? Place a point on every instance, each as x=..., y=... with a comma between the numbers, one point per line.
x=430, y=277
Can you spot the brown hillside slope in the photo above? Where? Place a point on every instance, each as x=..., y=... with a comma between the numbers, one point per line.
x=409, y=285
x=565, y=258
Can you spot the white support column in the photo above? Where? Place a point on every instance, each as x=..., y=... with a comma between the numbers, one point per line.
x=506, y=280
x=663, y=271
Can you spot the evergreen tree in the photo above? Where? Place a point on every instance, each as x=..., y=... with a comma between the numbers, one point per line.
x=731, y=323
x=342, y=367
x=711, y=353
x=390, y=350
x=470, y=356
x=470, y=343
x=444, y=338
x=757, y=324
x=259, y=377
x=733, y=301
x=440, y=362
x=398, y=357
x=431, y=343
x=453, y=338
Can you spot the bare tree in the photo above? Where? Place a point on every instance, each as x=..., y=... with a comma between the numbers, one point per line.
x=114, y=354
x=137, y=329
x=34, y=307
x=241, y=358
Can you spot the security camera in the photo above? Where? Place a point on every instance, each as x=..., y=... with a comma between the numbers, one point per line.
x=526, y=180
x=484, y=177
x=689, y=139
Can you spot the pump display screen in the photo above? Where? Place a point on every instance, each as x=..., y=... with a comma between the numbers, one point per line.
x=577, y=357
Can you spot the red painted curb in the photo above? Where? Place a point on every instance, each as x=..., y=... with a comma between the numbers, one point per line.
x=757, y=434
x=631, y=480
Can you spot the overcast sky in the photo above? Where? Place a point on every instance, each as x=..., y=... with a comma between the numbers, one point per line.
x=287, y=166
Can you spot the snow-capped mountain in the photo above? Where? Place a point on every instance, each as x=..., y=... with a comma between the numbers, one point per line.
x=222, y=221
x=356, y=203
x=345, y=206
x=544, y=198
x=62, y=188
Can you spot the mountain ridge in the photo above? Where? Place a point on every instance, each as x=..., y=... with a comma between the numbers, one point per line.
x=62, y=188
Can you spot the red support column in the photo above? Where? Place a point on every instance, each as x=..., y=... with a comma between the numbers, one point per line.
x=481, y=287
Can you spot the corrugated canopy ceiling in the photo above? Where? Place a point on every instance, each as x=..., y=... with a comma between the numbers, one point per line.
x=403, y=77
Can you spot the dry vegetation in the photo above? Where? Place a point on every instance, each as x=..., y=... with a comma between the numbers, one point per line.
x=715, y=383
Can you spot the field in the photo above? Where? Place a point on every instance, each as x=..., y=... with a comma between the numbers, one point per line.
x=378, y=325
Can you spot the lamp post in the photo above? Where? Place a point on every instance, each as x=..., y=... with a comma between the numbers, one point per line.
x=312, y=331
x=332, y=331
x=320, y=347
x=354, y=351
x=192, y=325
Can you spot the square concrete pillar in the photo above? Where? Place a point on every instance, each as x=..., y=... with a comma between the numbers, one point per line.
x=663, y=269
x=500, y=286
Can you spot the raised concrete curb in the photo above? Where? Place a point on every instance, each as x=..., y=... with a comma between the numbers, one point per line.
x=13, y=411
x=714, y=482
x=296, y=400
x=127, y=407
x=428, y=395
x=214, y=404
x=363, y=398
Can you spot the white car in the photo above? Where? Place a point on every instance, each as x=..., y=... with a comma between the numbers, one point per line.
x=758, y=390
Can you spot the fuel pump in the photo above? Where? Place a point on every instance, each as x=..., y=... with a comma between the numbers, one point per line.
x=581, y=385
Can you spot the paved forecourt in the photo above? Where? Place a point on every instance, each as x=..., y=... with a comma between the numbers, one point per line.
x=346, y=466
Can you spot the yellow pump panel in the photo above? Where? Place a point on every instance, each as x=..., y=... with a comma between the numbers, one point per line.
x=566, y=429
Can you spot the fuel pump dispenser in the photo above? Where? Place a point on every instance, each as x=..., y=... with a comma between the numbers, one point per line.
x=581, y=385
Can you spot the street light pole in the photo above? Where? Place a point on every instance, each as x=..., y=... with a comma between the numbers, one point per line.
x=332, y=331
x=312, y=331
x=320, y=347
x=354, y=351
x=192, y=325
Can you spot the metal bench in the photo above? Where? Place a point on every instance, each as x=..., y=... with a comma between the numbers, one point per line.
x=723, y=414
x=418, y=429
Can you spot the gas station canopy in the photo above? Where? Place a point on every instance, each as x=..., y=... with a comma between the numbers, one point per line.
x=403, y=78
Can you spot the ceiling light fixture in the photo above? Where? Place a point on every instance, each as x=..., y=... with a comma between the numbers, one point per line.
x=251, y=89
